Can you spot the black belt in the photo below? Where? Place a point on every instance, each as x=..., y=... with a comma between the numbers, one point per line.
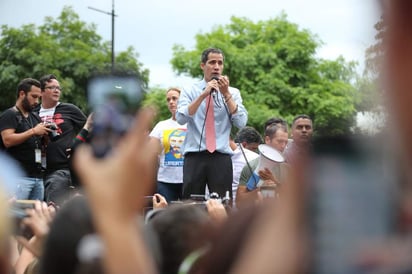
x=206, y=152
x=37, y=176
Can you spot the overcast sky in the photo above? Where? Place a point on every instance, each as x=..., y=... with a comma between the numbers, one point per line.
x=152, y=27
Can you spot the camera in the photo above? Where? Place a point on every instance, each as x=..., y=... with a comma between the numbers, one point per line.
x=53, y=134
x=202, y=199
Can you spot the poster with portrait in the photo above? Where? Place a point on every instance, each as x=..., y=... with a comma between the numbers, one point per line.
x=172, y=141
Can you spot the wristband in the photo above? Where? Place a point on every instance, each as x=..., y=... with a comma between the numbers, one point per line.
x=227, y=99
x=82, y=135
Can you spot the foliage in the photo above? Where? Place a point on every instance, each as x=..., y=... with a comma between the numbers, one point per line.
x=374, y=54
x=157, y=97
x=372, y=116
x=273, y=63
x=64, y=46
x=369, y=87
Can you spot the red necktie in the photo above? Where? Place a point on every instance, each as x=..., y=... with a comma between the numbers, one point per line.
x=210, y=125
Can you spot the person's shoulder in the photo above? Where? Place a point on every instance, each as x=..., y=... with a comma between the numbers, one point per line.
x=250, y=155
x=233, y=90
x=69, y=108
x=67, y=105
x=289, y=147
x=162, y=123
x=250, y=166
x=8, y=111
x=254, y=161
x=199, y=84
x=173, y=124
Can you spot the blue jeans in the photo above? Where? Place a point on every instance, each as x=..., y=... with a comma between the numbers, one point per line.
x=30, y=189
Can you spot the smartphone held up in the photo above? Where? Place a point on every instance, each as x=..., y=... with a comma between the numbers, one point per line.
x=114, y=100
x=17, y=212
x=352, y=201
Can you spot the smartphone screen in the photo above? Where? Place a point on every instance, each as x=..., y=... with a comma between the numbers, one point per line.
x=114, y=100
x=352, y=202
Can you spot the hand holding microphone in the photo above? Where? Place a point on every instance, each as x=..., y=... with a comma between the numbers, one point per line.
x=215, y=85
x=223, y=85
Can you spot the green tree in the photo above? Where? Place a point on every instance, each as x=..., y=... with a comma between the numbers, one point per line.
x=370, y=91
x=64, y=46
x=273, y=63
x=371, y=95
x=157, y=97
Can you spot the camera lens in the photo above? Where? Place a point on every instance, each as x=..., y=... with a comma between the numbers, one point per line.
x=214, y=195
x=53, y=135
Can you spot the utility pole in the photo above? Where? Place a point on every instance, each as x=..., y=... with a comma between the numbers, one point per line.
x=112, y=14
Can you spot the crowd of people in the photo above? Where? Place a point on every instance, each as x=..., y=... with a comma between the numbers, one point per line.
x=269, y=202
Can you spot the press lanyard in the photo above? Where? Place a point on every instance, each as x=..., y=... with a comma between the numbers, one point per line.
x=37, y=150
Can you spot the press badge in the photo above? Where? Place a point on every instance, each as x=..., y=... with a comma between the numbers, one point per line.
x=37, y=155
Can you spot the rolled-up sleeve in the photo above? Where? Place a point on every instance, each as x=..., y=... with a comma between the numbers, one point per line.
x=239, y=119
x=182, y=113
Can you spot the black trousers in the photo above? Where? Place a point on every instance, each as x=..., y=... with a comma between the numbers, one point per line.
x=211, y=169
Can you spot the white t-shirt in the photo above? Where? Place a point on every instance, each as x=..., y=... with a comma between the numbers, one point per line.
x=46, y=114
x=171, y=136
x=238, y=162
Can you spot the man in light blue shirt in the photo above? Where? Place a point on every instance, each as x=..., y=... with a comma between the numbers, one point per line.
x=204, y=166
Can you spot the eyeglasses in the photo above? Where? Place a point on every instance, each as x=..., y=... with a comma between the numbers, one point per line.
x=53, y=88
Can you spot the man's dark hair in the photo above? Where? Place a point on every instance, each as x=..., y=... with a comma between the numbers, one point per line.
x=26, y=84
x=275, y=121
x=301, y=116
x=248, y=135
x=205, y=54
x=46, y=79
x=180, y=230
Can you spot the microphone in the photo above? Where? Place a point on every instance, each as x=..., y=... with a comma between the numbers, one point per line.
x=213, y=92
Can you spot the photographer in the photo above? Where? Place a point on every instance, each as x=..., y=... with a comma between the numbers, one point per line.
x=21, y=134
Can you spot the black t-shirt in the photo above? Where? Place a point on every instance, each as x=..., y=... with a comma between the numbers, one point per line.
x=69, y=120
x=24, y=153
